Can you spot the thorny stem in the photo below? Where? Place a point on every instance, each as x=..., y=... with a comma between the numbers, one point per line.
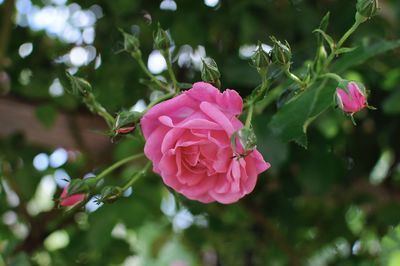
x=249, y=115
x=136, y=176
x=118, y=164
x=358, y=21
x=139, y=59
x=167, y=56
x=294, y=77
x=331, y=76
x=348, y=33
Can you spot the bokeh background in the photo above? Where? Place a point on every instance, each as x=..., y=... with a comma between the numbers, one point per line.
x=335, y=203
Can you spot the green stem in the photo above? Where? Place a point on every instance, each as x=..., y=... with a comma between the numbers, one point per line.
x=118, y=164
x=167, y=56
x=138, y=58
x=97, y=108
x=348, y=33
x=106, y=116
x=136, y=176
x=358, y=21
x=158, y=100
x=331, y=76
x=294, y=77
x=249, y=115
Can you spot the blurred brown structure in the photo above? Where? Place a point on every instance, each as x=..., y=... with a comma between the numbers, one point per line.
x=84, y=132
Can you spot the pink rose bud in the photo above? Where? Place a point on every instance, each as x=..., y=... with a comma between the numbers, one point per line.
x=188, y=139
x=124, y=130
x=66, y=200
x=351, y=100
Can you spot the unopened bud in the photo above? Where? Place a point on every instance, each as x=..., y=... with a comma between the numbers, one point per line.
x=110, y=194
x=162, y=40
x=248, y=138
x=281, y=53
x=210, y=72
x=367, y=8
x=77, y=186
x=131, y=42
x=260, y=59
x=351, y=97
x=67, y=199
x=79, y=86
x=125, y=122
x=321, y=59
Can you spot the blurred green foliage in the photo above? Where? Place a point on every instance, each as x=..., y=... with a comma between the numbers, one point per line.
x=315, y=206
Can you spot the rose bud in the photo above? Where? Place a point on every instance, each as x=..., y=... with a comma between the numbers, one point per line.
x=66, y=200
x=162, y=41
x=125, y=130
x=352, y=99
x=367, y=8
x=260, y=59
x=281, y=53
x=210, y=72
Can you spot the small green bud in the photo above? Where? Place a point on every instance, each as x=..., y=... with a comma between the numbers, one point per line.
x=125, y=122
x=260, y=59
x=162, y=40
x=79, y=86
x=248, y=138
x=321, y=59
x=367, y=8
x=131, y=42
x=210, y=72
x=109, y=194
x=77, y=186
x=281, y=53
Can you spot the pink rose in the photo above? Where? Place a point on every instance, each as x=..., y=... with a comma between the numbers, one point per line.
x=352, y=101
x=188, y=140
x=70, y=200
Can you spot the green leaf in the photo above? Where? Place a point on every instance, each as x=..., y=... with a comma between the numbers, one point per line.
x=327, y=38
x=363, y=53
x=325, y=21
x=391, y=247
x=290, y=123
x=323, y=26
x=345, y=50
x=46, y=114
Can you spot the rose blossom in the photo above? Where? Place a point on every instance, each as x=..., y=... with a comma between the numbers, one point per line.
x=188, y=138
x=352, y=101
x=70, y=200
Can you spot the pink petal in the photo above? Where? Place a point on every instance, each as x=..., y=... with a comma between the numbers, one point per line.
x=219, y=117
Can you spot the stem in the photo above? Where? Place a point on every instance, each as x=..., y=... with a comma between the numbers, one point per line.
x=139, y=59
x=294, y=77
x=348, y=33
x=331, y=76
x=166, y=54
x=118, y=164
x=249, y=115
x=358, y=21
x=106, y=116
x=158, y=100
x=97, y=108
x=136, y=176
